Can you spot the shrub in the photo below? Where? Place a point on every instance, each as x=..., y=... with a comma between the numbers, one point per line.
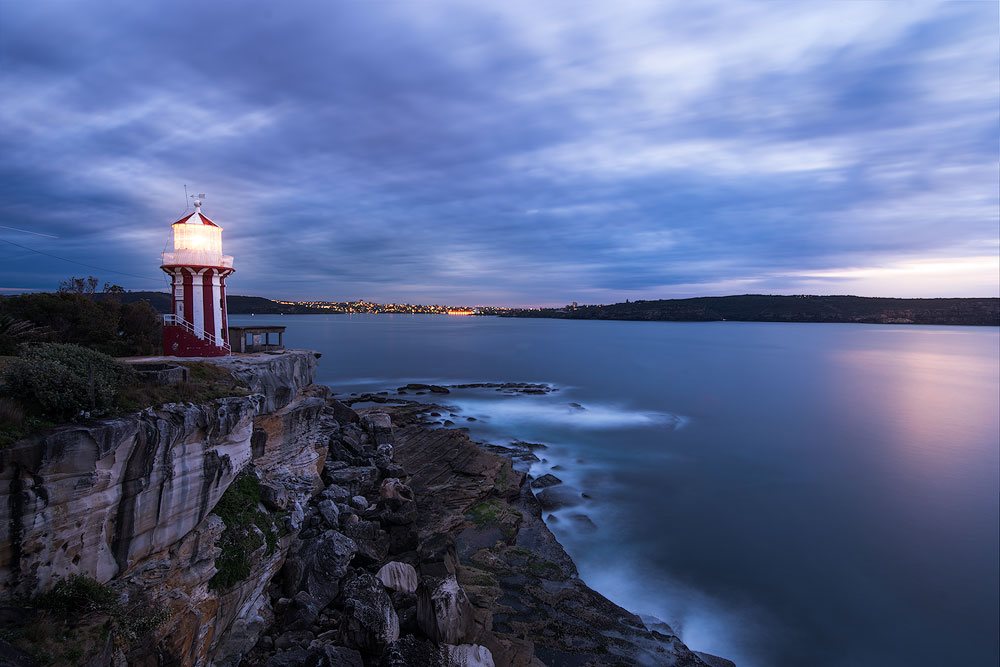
x=77, y=594
x=239, y=508
x=60, y=381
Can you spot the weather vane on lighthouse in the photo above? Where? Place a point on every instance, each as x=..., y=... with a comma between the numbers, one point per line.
x=197, y=325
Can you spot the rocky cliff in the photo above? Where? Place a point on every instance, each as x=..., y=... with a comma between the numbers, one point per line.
x=285, y=528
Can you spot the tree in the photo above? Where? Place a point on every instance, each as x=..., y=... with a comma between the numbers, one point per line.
x=111, y=288
x=75, y=285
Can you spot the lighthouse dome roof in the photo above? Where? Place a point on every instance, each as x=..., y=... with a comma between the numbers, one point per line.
x=196, y=218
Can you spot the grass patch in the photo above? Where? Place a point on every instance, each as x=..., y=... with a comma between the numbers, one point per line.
x=239, y=508
x=206, y=382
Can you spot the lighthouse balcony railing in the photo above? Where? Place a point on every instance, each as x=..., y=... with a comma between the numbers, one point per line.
x=177, y=321
x=197, y=258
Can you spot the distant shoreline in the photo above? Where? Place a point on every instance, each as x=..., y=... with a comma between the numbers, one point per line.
x=958, y=311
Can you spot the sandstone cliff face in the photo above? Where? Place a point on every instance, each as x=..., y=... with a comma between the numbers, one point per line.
x=129, y=500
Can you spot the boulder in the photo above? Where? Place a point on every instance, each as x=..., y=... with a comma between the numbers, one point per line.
x=467, y=655
x=335, y=493
x=411, y=652
x=398, y=577
x=372, y=542
x=274, y=496
x=323, y=655
x=329, y=512
x=557, y=497
x=357, y=479
x=393, y=489
x=444, y=612
x=371, y=623
x=319, y=566
x=379, y=427
x=342, y=413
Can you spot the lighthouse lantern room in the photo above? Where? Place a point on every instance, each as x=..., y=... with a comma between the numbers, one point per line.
x=197, y=325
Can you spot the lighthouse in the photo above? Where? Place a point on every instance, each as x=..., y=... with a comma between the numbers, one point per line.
x=197, y=325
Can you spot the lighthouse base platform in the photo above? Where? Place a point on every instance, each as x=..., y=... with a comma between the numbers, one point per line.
x=179, y=342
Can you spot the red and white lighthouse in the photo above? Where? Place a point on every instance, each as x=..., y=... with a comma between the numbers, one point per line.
x=197, y=324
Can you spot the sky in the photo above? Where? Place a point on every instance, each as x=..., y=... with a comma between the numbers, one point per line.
x=519, y=153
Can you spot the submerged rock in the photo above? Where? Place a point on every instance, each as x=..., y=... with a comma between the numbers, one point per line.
x=545, y=480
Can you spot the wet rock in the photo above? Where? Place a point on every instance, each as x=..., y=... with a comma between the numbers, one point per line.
x=467, y=655
x=371, y=622
x=443, y=611
x=398, y=576
x=545, y=480
x=557, y=497
x=583, y=522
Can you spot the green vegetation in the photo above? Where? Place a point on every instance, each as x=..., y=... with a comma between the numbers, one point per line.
x=76, y=616
x=771, y=308
x=247, y=528
x=79, y=315
x=56, y=382
x=51, y=383
x=206, y=382
x=495, y=513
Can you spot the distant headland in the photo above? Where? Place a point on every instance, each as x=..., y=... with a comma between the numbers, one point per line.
x=773, y=308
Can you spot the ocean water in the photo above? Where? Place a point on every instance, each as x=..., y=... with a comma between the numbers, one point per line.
x=781, y=494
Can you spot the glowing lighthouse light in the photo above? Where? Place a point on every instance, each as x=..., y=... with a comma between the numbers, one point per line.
x=197, y=324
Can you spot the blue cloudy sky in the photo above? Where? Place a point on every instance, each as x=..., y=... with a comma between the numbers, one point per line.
x=508, y=152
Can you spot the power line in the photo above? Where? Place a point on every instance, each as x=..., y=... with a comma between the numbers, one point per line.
x=73, y=261
x=26, y=231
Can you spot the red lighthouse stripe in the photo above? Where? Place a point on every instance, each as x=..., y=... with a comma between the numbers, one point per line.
x=188, y=296
x=208, y=301
x=222, y=298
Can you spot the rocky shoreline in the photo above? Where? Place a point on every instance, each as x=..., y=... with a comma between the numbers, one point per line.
x=287, y=528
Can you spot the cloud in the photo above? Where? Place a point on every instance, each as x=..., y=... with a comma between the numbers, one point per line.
x=517, y=153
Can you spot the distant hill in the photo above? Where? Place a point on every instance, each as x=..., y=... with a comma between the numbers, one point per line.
x=767, y=308
x=235, y=304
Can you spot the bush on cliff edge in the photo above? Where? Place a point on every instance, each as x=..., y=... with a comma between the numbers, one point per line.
x=56, y=381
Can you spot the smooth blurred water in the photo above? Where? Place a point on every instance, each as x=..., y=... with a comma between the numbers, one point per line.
x=782, y=494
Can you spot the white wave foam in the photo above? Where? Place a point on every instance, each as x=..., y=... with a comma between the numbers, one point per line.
x=519, y=412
